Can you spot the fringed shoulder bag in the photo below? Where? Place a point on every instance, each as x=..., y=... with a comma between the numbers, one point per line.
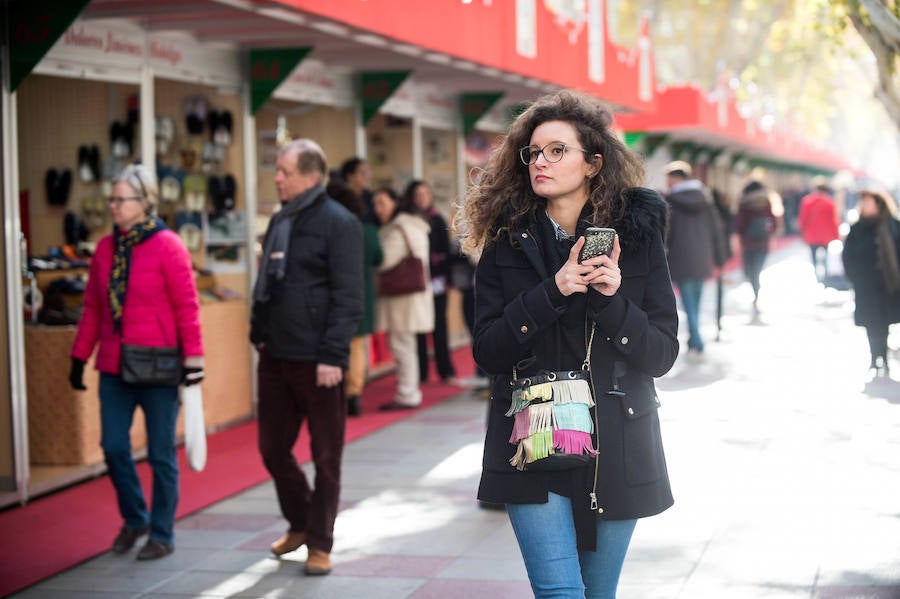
x=553, y=428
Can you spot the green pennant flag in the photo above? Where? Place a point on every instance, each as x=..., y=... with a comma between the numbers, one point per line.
x=633, y=138
x=33, y=27
x=376, y=87
x=268, y=68
x=513, y=111
x=473, y=106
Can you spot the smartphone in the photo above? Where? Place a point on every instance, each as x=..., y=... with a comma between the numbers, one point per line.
x=598, y=241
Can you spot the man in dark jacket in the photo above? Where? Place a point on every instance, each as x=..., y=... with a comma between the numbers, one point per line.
x=307, y=304
x=695, y=242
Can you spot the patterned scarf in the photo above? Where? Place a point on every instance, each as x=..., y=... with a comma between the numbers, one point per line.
x=118, y=276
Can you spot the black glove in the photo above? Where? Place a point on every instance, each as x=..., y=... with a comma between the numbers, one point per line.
x=192, y=376
x=76, y=375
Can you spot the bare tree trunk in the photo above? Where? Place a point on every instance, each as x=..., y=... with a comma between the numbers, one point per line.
x=887, y=24
x=886, y=92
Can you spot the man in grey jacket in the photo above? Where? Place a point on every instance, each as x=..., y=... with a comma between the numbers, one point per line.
x=694, y=243
x=307, y=304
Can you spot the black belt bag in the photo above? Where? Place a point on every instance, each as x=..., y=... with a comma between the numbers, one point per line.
x=141, y=365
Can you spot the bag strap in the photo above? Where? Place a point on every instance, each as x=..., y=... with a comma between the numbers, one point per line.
x=409, y=251
x=585, y=366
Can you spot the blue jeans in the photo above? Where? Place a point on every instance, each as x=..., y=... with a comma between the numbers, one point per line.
x=690, y=290
x=546, y=535
x=118, y=401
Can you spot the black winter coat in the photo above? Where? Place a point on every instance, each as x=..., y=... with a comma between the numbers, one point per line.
x=874, y=306
x=518, y=312
x=315, y=310
x=695, y=240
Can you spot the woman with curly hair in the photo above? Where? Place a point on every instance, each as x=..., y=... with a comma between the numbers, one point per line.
x=542, y=313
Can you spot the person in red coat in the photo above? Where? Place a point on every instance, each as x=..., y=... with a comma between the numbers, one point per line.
x=140, y=291
x=818, y=222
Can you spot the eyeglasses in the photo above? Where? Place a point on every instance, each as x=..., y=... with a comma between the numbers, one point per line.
x=553, y=152
x=119, y=200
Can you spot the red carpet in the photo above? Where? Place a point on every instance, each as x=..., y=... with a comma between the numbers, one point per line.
x=60, y=530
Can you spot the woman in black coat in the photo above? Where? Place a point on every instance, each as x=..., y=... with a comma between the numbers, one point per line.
x=560, y=170
x=754, y=224
x=871, y=256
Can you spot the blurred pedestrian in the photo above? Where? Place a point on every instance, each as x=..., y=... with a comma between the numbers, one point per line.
x=754, y=224
x=403, y=316
x=872, y=263
x=818, y=222
x=695, y=242
x=462, y=278
x=307, y=304
x=559, y=170
x=357, y=368
x=140, y=292
x=418, y=193
x=356, y=175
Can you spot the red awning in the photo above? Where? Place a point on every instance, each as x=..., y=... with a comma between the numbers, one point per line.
x=688, y=113
x=494, y=35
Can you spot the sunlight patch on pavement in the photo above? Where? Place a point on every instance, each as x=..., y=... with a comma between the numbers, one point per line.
x=236, y=584
x=463, y=463
x=394, y=513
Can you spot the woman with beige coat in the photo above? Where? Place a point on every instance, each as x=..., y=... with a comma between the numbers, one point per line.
x=403, y=316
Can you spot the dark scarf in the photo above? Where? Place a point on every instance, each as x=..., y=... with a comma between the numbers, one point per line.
x=121, y=264
x=273, y=264
x=886, y=253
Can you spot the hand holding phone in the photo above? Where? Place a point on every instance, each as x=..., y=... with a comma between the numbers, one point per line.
x=598, y=241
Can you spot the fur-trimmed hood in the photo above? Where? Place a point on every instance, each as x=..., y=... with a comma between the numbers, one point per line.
x=647, y=215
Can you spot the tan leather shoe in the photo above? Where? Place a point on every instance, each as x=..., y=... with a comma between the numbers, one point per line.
x=318, y=563
x=291, y=541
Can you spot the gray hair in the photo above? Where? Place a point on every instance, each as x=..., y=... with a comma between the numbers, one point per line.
x=310, y=157
x=143, y=182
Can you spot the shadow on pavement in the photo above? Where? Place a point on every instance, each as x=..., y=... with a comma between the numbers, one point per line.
x=883, y=388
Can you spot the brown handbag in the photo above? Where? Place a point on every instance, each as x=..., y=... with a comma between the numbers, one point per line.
x=407, y=276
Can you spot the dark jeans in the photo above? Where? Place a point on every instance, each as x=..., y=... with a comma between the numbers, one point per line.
x=288, y=395
x=118, y=401
x=815, y=251
x=753, y=265
x=878, y=335
x=691, y=290
x=441, y=343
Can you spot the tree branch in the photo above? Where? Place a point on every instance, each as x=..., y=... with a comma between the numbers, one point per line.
x=887, y=24
x=886, y=91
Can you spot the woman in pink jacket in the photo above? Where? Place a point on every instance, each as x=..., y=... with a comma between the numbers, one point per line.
x=140, y=291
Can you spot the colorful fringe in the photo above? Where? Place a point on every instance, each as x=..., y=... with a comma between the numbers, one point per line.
x=574, y=417
x=535, y=447
x=577, y=391
x=518, y=402
x=542, y=426
x=540, y=391
x=537, y=418
x=573, y=442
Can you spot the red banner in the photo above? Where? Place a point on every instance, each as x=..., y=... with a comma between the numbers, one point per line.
x=568, y=48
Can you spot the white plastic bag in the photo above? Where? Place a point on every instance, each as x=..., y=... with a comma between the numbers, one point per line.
x=194, y=426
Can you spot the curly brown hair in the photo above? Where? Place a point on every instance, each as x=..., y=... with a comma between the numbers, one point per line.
x=502, y=197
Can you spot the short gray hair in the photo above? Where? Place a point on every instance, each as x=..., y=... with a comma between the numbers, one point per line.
x=310, y=157
x=143, y=182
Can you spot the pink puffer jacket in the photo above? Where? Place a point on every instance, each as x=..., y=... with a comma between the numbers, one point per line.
x=161, y=305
